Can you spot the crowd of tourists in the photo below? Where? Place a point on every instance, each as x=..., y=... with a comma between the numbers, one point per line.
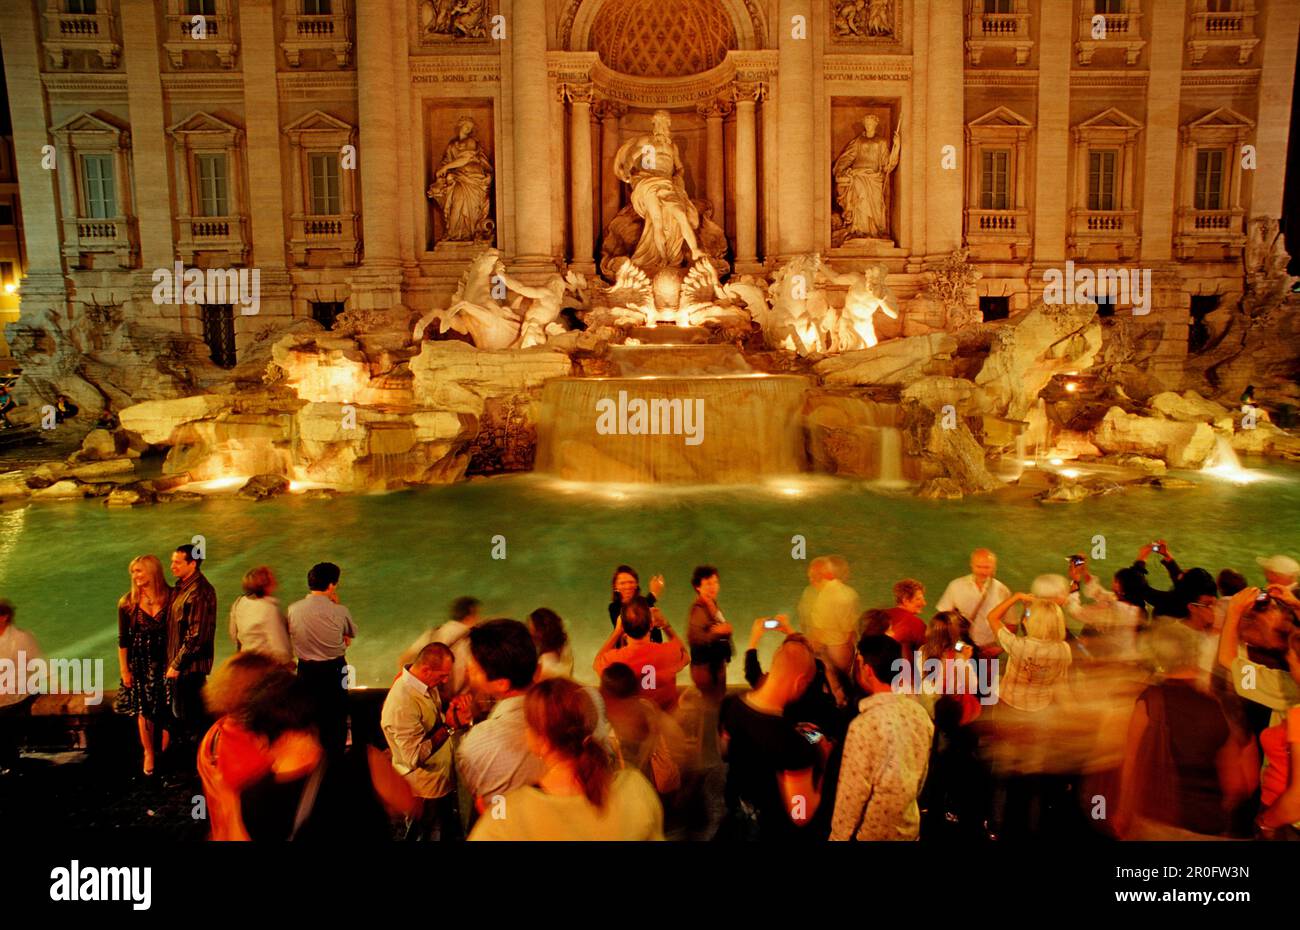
x=1137, y=710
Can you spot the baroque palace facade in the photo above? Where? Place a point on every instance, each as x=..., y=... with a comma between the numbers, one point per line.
x=317, y=141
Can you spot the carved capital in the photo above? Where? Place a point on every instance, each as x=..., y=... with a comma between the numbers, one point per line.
x=717, y=108
x=605, y=108
x=577, y=93
x=748, y=91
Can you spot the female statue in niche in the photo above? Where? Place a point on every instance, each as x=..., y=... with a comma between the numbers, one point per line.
x=460, y=187
x=861, y=175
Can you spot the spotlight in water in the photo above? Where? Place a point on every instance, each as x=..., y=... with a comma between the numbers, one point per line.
x=1071, y=472
x=1072, y=386
x=10, y=287
x=1029, y=463
x=1058, y=461
x=791, y=492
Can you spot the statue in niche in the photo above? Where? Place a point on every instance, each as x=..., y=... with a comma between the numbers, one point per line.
x=862, y=181
x=864, y=19
x=454, y=19
x=652, y=165
x=661, y=227
x=460, y=187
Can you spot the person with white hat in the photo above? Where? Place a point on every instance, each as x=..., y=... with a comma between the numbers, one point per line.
x=1280, y=570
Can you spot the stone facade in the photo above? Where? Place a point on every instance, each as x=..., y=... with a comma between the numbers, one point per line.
x=303, y=145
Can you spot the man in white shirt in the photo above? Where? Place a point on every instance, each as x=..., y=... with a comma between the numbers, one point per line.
x=975, y=595
x=828, y=611
x=17, y=648
x=420, y=742
x=321, y=630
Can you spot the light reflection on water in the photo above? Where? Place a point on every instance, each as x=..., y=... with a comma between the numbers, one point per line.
x=406, y=555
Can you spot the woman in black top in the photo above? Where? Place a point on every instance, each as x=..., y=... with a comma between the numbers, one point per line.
x=142, y=653
x=626, y=587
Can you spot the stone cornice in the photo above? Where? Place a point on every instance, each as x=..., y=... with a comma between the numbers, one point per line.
x=1091, y=78
x=311, y=85
x=682, y=92
x=1237, y=77
x=987, y=77
x=203, y=85
x=867, y=68
x=106, y=84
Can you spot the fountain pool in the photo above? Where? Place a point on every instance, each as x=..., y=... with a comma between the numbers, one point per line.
x=405, y=555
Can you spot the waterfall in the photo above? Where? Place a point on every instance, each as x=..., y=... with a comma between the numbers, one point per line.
x=710, y=429
x=891, y=455
x=1224, y=457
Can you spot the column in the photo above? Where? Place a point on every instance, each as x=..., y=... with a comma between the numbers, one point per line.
x=580, y=205
x=1163, y=146
x=378, y=285
x=713, y=112
x=609, y=113
x=148, y=134
x=796, y=185
x=1053, y=138
x=1159, y=214
x=529, y=113
x=1277, y=74
x=746, y=97
x=944, y=116
x=265, y=182
x=43, y=285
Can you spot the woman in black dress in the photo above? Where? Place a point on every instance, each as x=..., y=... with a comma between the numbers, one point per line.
x=626, y=585
x=142, y=652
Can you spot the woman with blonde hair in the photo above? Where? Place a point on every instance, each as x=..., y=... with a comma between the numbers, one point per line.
x=256, y=622
x=142, y=652
x=1038, y=661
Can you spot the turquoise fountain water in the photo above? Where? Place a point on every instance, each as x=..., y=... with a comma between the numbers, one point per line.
x=406, y=555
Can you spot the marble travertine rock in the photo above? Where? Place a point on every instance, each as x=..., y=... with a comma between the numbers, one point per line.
x=897, y=361
x=110, y=468
x=262, y=487
x=457, y=377
x=1030, y=349
x=231, y=444
x=1267, y=439
x=1182, y=445
x=323, y=367
x=98, y=444
x=157, y=421
x=1192, y=408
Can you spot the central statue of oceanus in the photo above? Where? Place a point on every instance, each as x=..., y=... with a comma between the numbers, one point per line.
x=652, y=166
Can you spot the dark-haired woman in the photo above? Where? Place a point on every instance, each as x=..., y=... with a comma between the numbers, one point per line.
x=626, y=587
x=580, y=795
x=709, y=635
x=554, y=655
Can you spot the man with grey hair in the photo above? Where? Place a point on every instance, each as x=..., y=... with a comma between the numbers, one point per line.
x=975, y=595
x=1280, y=570
x=829, y=609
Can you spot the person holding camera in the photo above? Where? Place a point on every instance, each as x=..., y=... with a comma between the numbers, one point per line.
x=1194, y=586
x=656, y=664
x=1254, y=647
x=1115, y=615
x=776, y=768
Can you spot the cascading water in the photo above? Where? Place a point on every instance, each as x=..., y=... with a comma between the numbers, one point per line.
x=676, y=413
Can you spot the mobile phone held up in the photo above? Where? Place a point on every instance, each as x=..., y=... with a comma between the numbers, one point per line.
x=1157, y=548
x=1077, y=560
x=771, y=623
x=810, y=733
